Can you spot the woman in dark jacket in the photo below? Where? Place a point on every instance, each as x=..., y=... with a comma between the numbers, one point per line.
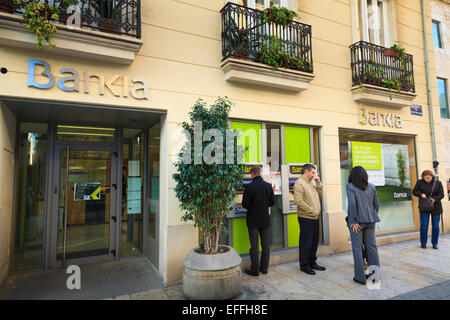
x=429, y=187
x=362, y=215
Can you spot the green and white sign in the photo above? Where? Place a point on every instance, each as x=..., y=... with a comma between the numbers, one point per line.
x=367, y=155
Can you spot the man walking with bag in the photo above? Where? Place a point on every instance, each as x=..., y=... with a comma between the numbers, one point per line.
x=307, y=198
x=258, y=197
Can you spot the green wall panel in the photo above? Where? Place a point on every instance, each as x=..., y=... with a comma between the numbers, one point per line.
x=251, y=136
x=293, y=230
x=297, y=145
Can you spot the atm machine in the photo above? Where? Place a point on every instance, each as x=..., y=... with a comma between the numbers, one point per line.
x=289, y=175
x=235, y=221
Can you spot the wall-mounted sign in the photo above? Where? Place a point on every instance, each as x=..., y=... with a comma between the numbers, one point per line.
x=87, y=191
x=366, y=155
x=385, y=119
x=134, y=195
x=416, y=110
x=69, y=81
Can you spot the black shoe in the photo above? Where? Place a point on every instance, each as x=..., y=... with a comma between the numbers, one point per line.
x=435, y=246
x=308, y=270
x=423, y=246
x=360, y=282
x=317, y=267
x=263, y=271
x=252, y=273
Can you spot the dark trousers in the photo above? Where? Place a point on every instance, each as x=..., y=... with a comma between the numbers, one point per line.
x=254, y=235
x=309, y=241
x=424, y=222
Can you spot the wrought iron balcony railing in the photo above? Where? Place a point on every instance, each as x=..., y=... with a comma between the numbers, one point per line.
x=246, y=35
x=371, y=64
x=121, y=17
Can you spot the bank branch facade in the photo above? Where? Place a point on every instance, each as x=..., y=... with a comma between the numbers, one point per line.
x=89, y=130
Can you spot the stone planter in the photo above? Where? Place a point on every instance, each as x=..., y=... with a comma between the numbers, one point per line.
x=212, y=276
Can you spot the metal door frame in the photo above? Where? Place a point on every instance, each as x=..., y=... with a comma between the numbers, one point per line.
x=62, y=146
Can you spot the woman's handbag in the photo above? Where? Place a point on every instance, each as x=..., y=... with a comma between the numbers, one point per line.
x=427, y=205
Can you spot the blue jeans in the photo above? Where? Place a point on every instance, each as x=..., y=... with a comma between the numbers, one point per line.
x=424, y=221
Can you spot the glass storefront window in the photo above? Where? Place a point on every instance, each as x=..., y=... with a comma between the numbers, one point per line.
x=132, y=192
x=85, y=134
x=391, y=164
x=273, y=161
x=29, y=227
x=153, y=179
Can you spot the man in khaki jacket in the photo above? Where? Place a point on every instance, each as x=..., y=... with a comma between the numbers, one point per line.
x=307, y=198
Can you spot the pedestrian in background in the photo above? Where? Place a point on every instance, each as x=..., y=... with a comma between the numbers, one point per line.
x=430, y=192
x=307, y=198
x=362, y=215
x=258, y=197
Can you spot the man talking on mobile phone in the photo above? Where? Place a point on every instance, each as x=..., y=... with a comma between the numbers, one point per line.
x=307, y=198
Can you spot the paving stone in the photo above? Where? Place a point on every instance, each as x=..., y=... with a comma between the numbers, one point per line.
x=407, y=272
x=158, y=294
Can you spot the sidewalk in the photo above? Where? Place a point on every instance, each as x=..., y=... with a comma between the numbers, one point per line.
x=408, y=272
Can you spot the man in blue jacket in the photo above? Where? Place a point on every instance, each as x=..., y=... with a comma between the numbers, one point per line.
x=258, y=197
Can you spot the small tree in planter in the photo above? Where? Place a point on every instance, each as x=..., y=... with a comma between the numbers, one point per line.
x=205, y=188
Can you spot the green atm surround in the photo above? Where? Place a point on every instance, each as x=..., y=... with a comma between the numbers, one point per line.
x=297, y=148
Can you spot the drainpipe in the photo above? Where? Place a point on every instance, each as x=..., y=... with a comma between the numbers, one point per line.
x=427, y=73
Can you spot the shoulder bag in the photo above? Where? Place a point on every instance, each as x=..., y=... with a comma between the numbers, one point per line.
x=425, y=204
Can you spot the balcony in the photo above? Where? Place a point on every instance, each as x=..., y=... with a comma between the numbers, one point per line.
x=249, y=44
x=109, y=29
x=379, y=78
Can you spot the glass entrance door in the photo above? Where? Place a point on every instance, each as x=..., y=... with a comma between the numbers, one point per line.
x=86, y=194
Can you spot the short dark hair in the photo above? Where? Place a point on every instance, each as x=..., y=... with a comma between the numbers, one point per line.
x=256, y=170
x=359, y=178
x=307, y=167
x=428, y=173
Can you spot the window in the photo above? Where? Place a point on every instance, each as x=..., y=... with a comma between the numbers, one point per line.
x=443, y=97
x=391, y=166
x=262, y=4
x=31, y=162
x=437, y=34
x=374, y=20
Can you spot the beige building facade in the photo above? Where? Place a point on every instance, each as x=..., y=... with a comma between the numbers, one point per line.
x=90, y=129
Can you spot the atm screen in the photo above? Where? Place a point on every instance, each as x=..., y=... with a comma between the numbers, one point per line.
x=238, y=204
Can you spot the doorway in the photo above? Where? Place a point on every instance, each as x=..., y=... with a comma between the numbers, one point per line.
x=85, y=193
x=87, y=184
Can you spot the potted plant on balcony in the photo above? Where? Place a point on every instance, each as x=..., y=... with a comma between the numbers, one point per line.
x=6, y=6
x=281, y=16
x=239, y=40
x=396, y=52
x=391, y=83
x=273, y=53
x=63, y=9
x=205, y=190
x=109, y=15
x=39, y=18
